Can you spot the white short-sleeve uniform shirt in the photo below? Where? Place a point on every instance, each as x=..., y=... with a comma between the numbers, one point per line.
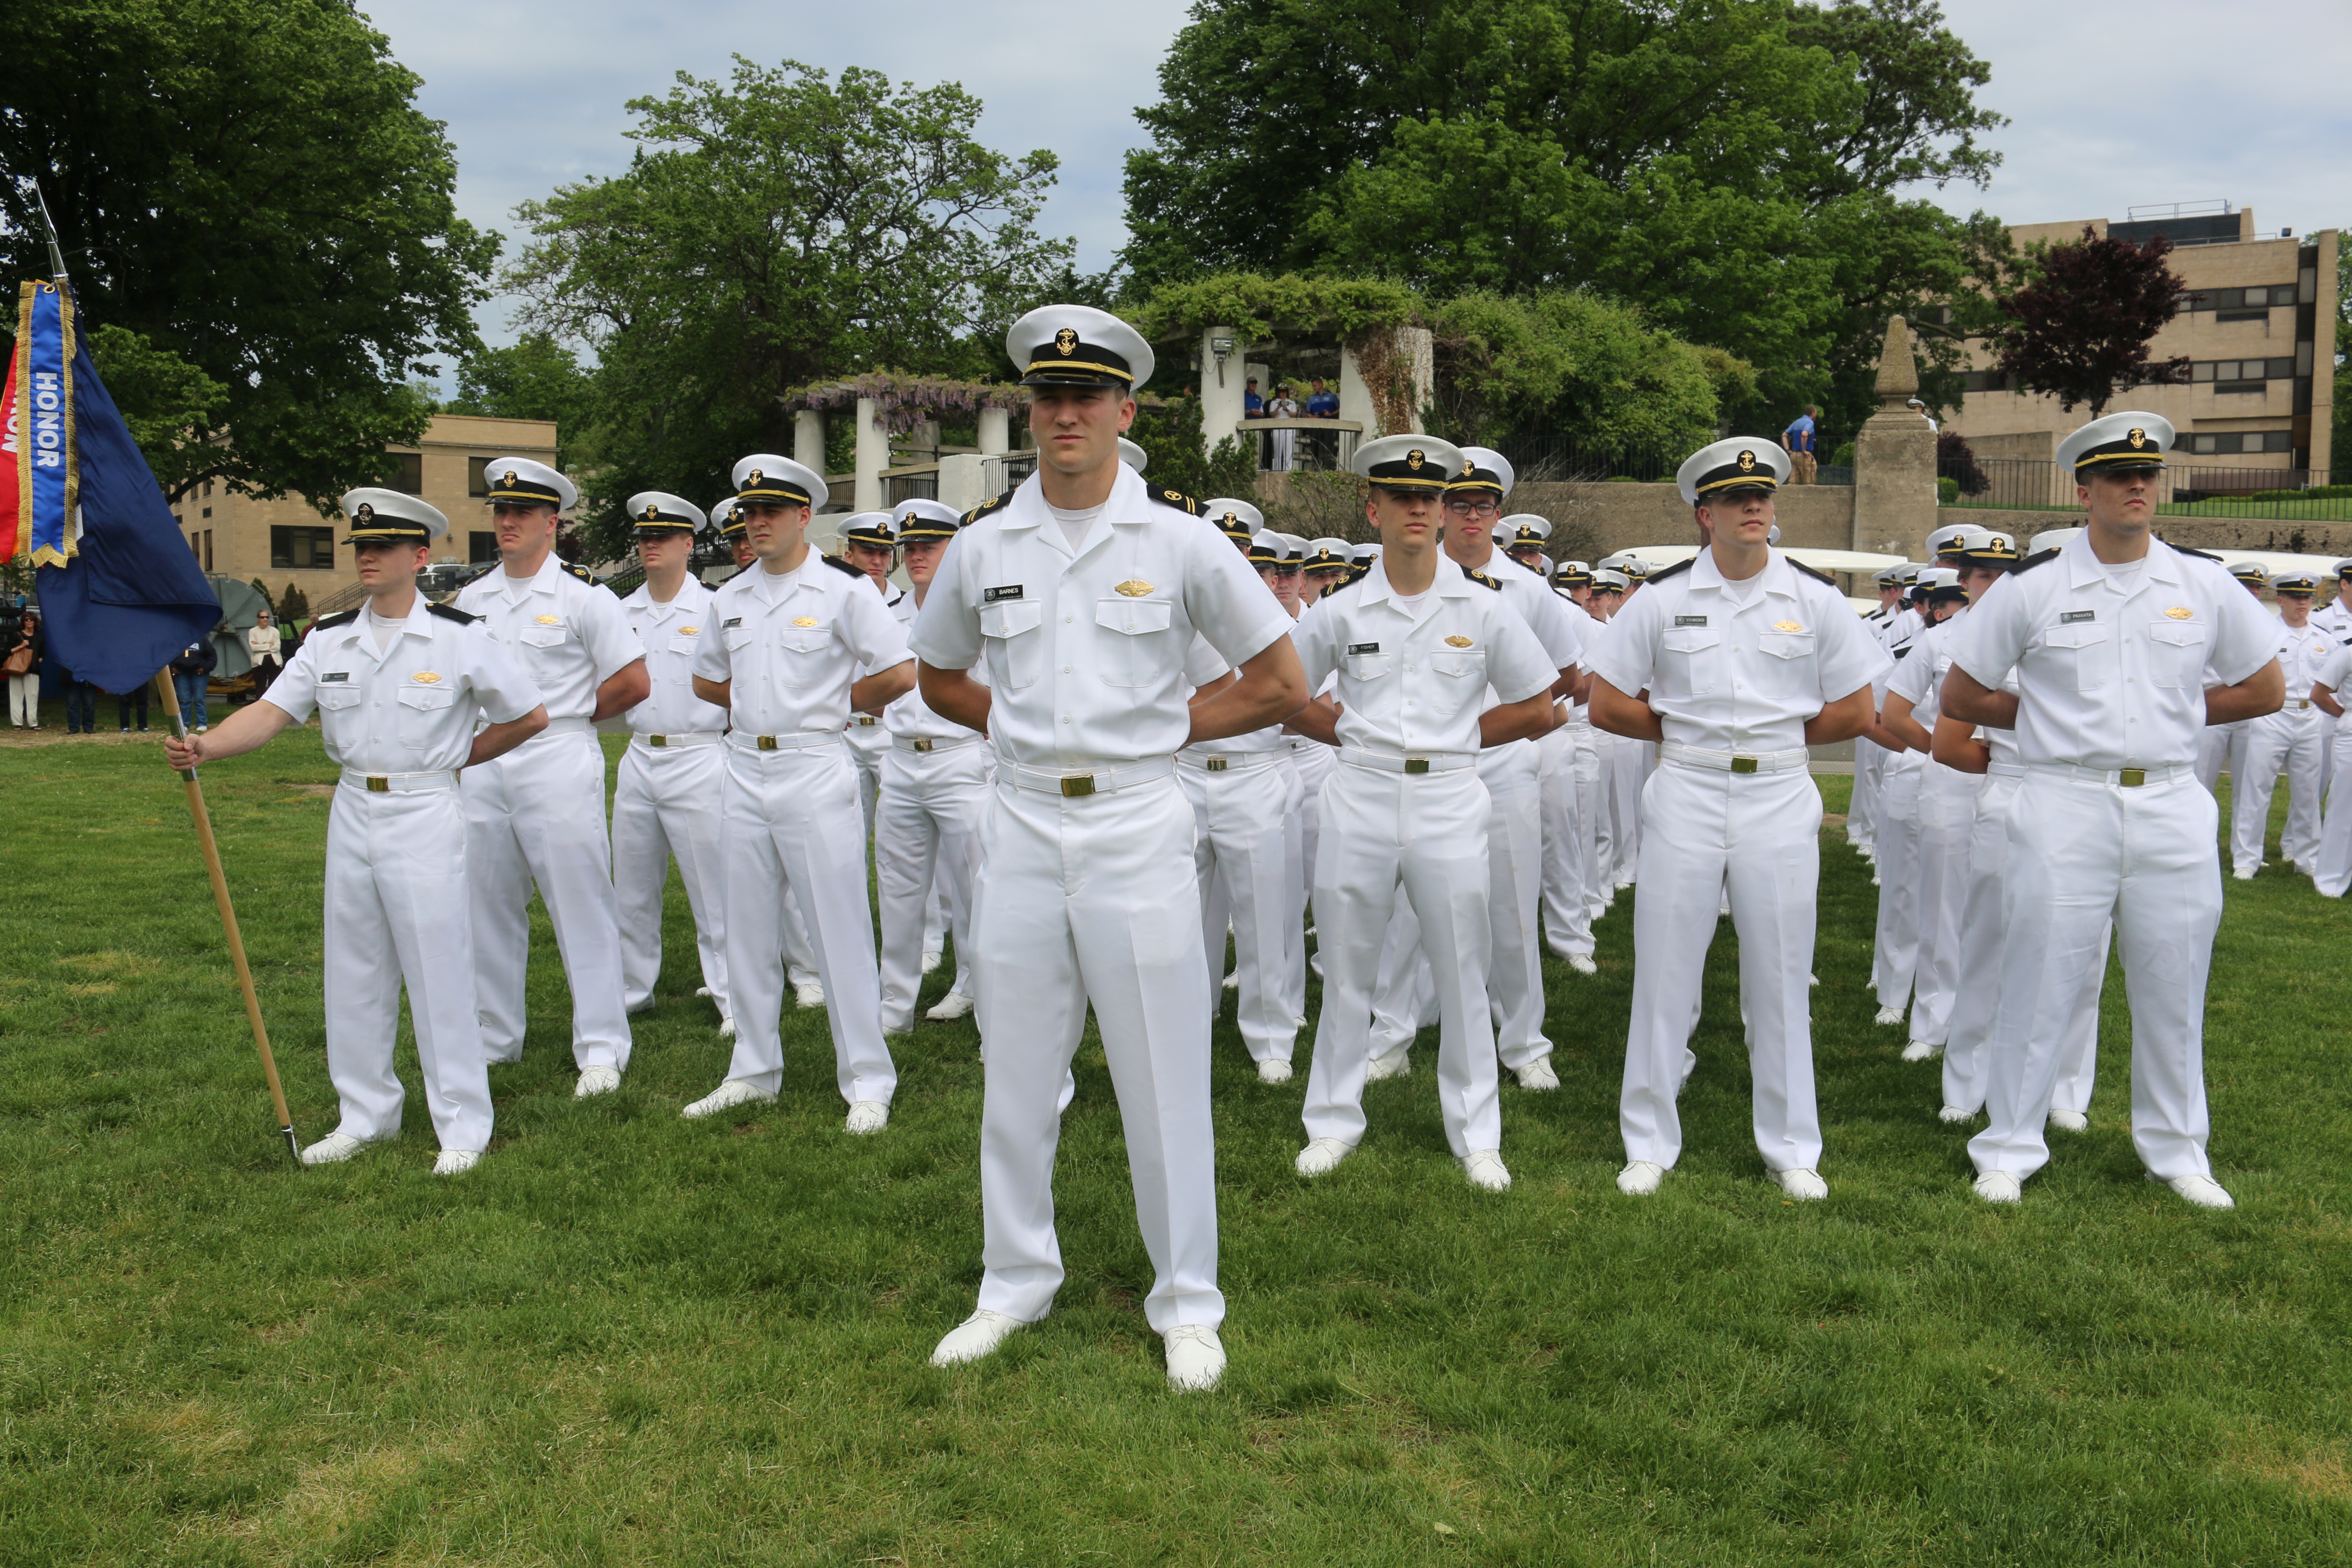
x=2301, y=653
x=909, y=717
x=672, y=635
x=569, y=634
x=413, y=707
x=2111, y=665
x=793, y=643
x=1085, y=649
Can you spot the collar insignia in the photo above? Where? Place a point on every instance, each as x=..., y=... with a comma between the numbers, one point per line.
x=2181, y=612
x=803, y=620
x=1065, y=342
x=1787, y=627
x=1133, y=589
x=426, y=678
x=548, y=620
x=1457, y=642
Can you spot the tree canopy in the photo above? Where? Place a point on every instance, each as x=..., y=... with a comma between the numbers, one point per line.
x=259, y=222
x=2080, y=326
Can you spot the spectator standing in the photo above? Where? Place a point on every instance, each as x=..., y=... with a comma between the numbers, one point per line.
x=81, y=704
x=1253, y=406
x=1284, y=407
x=1798, y=441
x=124, y=701
x=1322, y=403
x=192, y=674
x=21, y=652
x=1920, y=408
x=263, y=642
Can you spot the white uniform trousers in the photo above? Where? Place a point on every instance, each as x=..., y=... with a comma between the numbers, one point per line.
x=1425, y=833
x=1313, y=762
x=926, y=844
x=867, y=741
x=2081, y=852
x=1895, y=956
x=791, y=819
x=1567, y=832
x=2284, y=742
x=2327, y=727
x=1244, y=842
x=1979, y=970
x=665, y=807
x=396, y=912
x=1760, y=835
x=2222, y=748
x=1862, y=812
x=1948, y=817
x=1630, y=769
x=2334, y=873
x=1094, y=899
x=536, y=816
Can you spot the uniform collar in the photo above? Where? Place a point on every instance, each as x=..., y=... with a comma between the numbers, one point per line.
x=2086, y=569
x=1029, y=510
x=541, y=582
x=1778, y=576
x=1450, y=584
x=643, y=598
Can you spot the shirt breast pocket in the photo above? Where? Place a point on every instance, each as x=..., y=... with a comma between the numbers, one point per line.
x=541, y=636
x=2078, y=655
x=1370, y=666
x=1788, y=667
x=2176, y=655
x=686, y=646
x=1133, y=646
x=1690, y=661
x=806, y=653
x=1015, y=642
x=424, y=710
x=1461, y=680
x=337, y=697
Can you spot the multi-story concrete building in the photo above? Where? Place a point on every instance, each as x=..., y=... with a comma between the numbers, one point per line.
x=2258, y=328
x=286, y=541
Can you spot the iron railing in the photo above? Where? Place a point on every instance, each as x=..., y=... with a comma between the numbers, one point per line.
x=2302, y=494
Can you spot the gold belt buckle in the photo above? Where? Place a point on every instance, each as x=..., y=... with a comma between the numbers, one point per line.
x=378, y=784
x=1416, y=764
x=2132, y=778
x=1215, y=764
x=1078, y=785
x=656, y=740
x=922, y=743
x=767, y=743
x=862, y=720
x=1743, y=765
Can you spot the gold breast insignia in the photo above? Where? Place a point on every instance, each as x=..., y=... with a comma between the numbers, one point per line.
x=426, y=678
x=1457, y=642
x=2181, y=612
x=803, y=620
x=1787, y=627
x=550, y=620
x=1133, y=588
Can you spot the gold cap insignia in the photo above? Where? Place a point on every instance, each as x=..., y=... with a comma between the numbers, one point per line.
x=2181, y=612
x=1457, y=642
x=1065, y=342
x=550, y=620
x=510, y=477
x=426, y=678
x=2138, y=437
x=652, y=513
x=1787, y=627
x=688, y=631
x=1132, y=588
x=1469, y=467
x=756, y=477
x=803, y=620
x=364, y=514
x=1747, y=462
x=1413, y=459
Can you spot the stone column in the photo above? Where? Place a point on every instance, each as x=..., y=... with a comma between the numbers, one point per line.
x=808, y=440
x=963, y=480
x=1356, y=395
x=873, y=457
x=1221, y=387
x=1895, y=459
x=995, y=424
x=1419, y=352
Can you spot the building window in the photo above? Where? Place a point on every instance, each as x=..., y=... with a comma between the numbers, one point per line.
x=209, y=546
x=302, y=549
x=478, y=483
x=2256, y=300
x=480, y=546
x=407, y=473
x=2229, y=443
x=1983, y=380
x=2242, y=371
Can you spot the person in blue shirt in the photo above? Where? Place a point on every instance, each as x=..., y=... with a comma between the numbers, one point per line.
x=1253, y=406
x=1322, y=403
x=1798, y=438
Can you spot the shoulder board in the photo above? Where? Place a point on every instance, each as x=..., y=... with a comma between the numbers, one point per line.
x=986, y=507
x=1355, y=575
x=1176, y=498
x=1481, y=579
x=448, y=613
x=1663, y=573
x=580, y=571
x=2198, y=554
x=838, y=564
x=2031, y=562
x=1814, y=573
x=339, y=618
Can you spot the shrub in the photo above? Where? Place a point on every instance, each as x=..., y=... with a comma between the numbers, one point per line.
x=1947, y=489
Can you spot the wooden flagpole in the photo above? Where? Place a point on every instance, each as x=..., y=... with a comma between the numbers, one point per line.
x=229, y=919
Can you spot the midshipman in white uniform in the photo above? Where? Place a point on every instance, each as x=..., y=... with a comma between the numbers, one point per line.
x=2289, y=742
x=869, y=541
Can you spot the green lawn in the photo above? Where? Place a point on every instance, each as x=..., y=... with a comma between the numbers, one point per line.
x=626, y=1337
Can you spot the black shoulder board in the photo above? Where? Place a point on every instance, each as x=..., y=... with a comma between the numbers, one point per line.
x=986, y=507
x=1814, y=573
x=1176, y=498
x=580, y=571
x=450, y=613
x=2031, y=562
x=838, y=564
x=1663, y=573
x=2198, y=554
x=1481, y=579
x=339, y=618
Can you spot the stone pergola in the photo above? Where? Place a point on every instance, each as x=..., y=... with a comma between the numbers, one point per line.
x=1226, y=369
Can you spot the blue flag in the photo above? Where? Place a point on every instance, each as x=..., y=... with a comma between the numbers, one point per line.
x=127, y=594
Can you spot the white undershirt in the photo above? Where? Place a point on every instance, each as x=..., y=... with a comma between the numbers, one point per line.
x=382, y=632
x=1412, y=603
x=2125, y=575
x=1075, y=524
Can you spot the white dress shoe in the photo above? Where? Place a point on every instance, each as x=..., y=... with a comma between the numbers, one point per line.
x=953, y=1006
x=931, y=960
x=868, y=1116
x=1582, y=964
x=633, y=1009
x=1954, y=1113
x=702, y=990
x=1274, y=1069
x=726, y=1028
x=2069, y=1120
x=1805, y=1186
x=457, y=1162
x=333, y=1147
x=1322, y=1154
x=1234, y=981
x=2244, y=873
x=2203, y=1191
x=726, y=1097
x=809, y=993
x=2001, y=1187
x=1640, y=1179
x=1299, y=1022
x=1889, y=1016
x=1920, y=1051
x=1485, y=1168
x=1875, y=881
x=1812, y=979
x=1393, y=1064
x=595, y=1081
x=1196, y=1357
x=975, y=1337
x=1538, y=1074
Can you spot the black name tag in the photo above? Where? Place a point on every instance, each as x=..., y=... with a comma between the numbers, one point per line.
x=994, y=596
x=1690, y=620
x=2070, y=616
x=336, y=675
x=1355, y=648
x=730, y=621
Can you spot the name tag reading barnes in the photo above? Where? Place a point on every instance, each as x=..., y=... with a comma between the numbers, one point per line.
x=994, y=596
x=1355, y=648
x=1690, y=620
x=2070, y=616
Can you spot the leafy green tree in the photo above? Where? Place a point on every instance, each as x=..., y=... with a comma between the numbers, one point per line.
x=259, y=222
x=772, y=232
x=1169, y=431
x=533, y=378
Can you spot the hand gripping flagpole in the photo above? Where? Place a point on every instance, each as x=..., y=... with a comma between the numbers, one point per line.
x=228, y=919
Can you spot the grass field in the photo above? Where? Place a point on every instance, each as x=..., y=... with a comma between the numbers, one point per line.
x=629, y=1339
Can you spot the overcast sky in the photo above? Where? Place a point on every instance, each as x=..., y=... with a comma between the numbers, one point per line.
x=2111, y=105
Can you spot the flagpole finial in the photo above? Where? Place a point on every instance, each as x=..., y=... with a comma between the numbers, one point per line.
x=57, y=255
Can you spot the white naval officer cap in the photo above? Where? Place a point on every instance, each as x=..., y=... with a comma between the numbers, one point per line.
x=1943, y=540
x=1133, y=456
x=1407, y=463
x=1265, y=548
x=766, y=478
x=2052, y=539
x=518, y=481
x=876, y=530
x=2341, y=569
x=1523, y=529
x=1077, y=346
x=1483, y=471
x=1941, y=581
x=658, y=514
x=1610, y=578
x=2303, y=582
x=2130, y=441
x=1888, y=577
x=921, y=518
x=1738, y=466
x=723, y=518
x=1294, y=549
x=388, y=517
x=1772, y=534
x=1236, y=520
x=1330, y=555
x=2248, y=571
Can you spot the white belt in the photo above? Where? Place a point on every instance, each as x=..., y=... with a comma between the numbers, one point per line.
x=1098, y=780
x=1229, y=762
x=2127, y=778
x=862, y=720
x=690, y=738
x=805, y=741
x=2295, y=704
x=1734, y=762
x=2005, y=770
x=1391, y=762
x=400, y=784
x=933, y=742
x=574, y=726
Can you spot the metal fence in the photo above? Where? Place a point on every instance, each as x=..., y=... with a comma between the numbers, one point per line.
x=2288, y=494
